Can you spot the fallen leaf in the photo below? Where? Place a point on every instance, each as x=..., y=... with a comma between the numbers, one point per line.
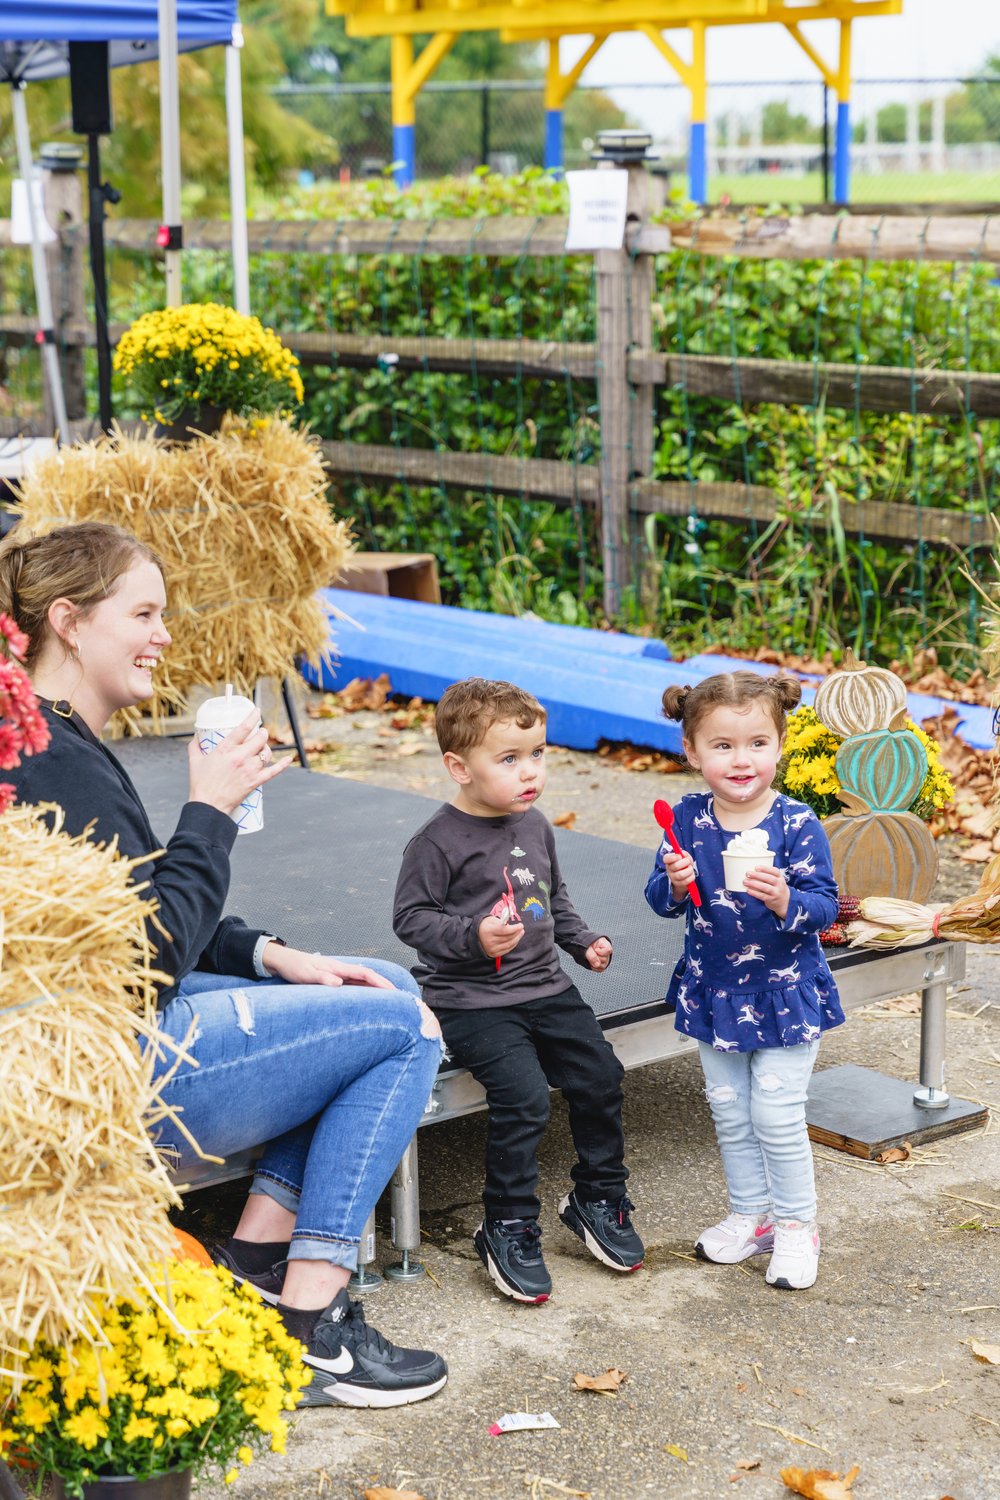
x=362, y=692
x=564, y=820
x=611, y=1380
x=748, y=1463
x=896, y=1153
x=978, y=853
x=414, y=747
x=386, y=1492
x=820, y=1484
x=676, y=1451
x=987, y=1354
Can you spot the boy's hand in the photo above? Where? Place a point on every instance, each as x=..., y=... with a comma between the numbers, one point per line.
x=680, y=868
x=769, y=885
x=497, y=938
x=598, y=955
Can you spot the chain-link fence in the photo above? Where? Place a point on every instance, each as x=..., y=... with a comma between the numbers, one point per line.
x=913, y=140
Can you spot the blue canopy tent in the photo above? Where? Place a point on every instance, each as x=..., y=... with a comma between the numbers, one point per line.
x=35, y=37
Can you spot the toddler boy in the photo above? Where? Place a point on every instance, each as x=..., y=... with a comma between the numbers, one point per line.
x=481, y=899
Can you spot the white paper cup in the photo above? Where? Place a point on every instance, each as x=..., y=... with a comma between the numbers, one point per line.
x=216, y=717
x=736, y=867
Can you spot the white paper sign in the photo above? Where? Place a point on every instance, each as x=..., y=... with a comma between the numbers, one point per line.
x=20, y=219
x=597, y=209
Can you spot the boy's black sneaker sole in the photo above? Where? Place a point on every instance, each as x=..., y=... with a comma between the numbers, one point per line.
x=497, y=1248
x=616, y=1246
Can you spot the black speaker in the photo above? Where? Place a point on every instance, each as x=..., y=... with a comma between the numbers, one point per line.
x=90, y=87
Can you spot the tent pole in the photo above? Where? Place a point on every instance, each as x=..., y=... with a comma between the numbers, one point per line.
x=97, y=196
x=171, y=235
x=237, y=173
x=43, y=298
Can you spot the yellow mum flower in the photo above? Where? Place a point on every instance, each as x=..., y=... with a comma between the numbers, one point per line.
x=87, y=1426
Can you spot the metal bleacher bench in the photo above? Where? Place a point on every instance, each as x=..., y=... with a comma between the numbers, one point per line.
x=322, y=873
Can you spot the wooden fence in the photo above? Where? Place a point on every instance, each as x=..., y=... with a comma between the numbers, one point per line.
x=621, y=361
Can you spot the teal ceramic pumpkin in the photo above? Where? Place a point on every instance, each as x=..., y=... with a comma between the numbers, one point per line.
x=883, y=771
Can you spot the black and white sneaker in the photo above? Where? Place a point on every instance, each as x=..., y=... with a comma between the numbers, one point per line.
x=353, y=1365
x=606, y=1230
x=269, y=1283
x=512, y=1253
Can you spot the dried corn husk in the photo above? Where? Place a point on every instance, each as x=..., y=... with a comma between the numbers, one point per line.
x=242, y=523
x=83, y=1196
x=888, y=923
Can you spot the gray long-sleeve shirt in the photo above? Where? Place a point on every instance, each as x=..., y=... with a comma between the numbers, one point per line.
x=458, y=869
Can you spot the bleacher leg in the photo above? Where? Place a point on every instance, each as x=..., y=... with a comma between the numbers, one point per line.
x=362, y=1280
x=405, y=1210
x=933, y=1005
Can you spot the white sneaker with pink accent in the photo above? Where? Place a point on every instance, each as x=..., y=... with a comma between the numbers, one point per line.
x=795, y=1262
x=737, y=1238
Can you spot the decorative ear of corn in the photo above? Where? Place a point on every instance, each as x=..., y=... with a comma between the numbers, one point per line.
x=84, y=1196
x=887, y=923
x=243, y=525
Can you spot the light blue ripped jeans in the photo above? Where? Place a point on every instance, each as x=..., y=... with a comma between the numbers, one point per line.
x=758, y=1104
x=334, y=1080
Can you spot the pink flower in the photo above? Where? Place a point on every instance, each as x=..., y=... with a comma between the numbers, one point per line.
x=23, y=731
x=17, y=641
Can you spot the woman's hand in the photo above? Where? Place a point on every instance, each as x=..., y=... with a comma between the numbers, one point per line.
x=237, y=766
x=680, y=868
x=497, y=938
x=598, y=955
x=297, y=967
x=769, y=885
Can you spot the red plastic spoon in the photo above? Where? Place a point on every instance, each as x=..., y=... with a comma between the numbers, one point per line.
x=664, y=815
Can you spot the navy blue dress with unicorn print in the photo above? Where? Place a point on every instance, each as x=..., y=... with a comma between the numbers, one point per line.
x=747, y=980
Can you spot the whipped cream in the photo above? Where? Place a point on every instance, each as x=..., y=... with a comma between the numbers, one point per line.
x=752, y=841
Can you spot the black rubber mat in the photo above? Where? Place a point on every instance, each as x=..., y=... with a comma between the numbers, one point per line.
x=322, y=872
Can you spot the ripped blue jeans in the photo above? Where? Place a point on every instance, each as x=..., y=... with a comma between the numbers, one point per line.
x=333, y=1080
x=758, y=1104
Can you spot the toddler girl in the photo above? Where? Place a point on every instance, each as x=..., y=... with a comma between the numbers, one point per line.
x=752, y=986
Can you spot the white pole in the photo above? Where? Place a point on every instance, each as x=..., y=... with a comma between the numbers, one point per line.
x=237, y=173
x=170, y=149
x=43, y=297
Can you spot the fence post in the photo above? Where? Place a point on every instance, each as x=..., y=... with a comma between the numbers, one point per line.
x=624, y=321
x=62, y=195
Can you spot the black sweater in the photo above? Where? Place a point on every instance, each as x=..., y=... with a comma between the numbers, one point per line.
x=190, y=879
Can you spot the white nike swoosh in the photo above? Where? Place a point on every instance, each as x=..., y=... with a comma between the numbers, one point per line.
x=338, y=1366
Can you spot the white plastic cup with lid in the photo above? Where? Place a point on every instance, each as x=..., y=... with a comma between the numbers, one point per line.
x=215, y=719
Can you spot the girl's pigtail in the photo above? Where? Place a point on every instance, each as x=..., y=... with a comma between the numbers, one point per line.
x=674, y=702
x=787, y=690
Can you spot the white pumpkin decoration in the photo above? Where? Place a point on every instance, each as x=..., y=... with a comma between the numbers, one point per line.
x=858, y=699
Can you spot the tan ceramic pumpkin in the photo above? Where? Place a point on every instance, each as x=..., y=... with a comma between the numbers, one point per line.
x=859, y=699
x=883, y=854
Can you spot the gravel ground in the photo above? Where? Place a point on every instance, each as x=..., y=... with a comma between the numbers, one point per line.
x=728, y=1381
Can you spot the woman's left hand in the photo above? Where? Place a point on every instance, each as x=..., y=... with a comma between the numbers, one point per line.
x=297, y=967
x=769, y=885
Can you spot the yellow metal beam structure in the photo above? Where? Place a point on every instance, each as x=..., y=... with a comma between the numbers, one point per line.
x=559, y=85
x=409, y=74
x=778, y=11
x=548, y=17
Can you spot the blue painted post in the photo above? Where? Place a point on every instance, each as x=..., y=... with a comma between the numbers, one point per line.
x=842, y=155
x=552, y=159
x=698, y=164
x=404, y=154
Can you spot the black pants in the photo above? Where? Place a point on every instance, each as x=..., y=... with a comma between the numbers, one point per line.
x=516, y=1052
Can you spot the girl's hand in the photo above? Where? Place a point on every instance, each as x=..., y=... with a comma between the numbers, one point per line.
x=598, y=955
x=680, y=868
x=237, y=766
x=297, y=967
x=769, y=885
x=497, y=938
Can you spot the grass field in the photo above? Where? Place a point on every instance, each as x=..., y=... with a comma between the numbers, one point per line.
x=888, y=187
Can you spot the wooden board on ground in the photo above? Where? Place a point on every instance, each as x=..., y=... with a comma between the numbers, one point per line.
x=865, y=1113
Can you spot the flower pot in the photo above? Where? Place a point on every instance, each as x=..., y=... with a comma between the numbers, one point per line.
x=174, y=1485
x=194, y=421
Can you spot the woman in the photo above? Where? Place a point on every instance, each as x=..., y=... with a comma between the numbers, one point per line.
x=327, y=1060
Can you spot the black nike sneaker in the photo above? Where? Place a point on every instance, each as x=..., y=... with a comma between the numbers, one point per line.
x=353, y=1365
x=512, y=1253
x=268, y=1283
x=606, y=1230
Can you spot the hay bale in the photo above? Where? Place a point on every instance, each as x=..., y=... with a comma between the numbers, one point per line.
x=83, y=1196
x=242, y=523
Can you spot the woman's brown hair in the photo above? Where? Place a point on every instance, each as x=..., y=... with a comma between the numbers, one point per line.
x=777, y=694
x=82, y=563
